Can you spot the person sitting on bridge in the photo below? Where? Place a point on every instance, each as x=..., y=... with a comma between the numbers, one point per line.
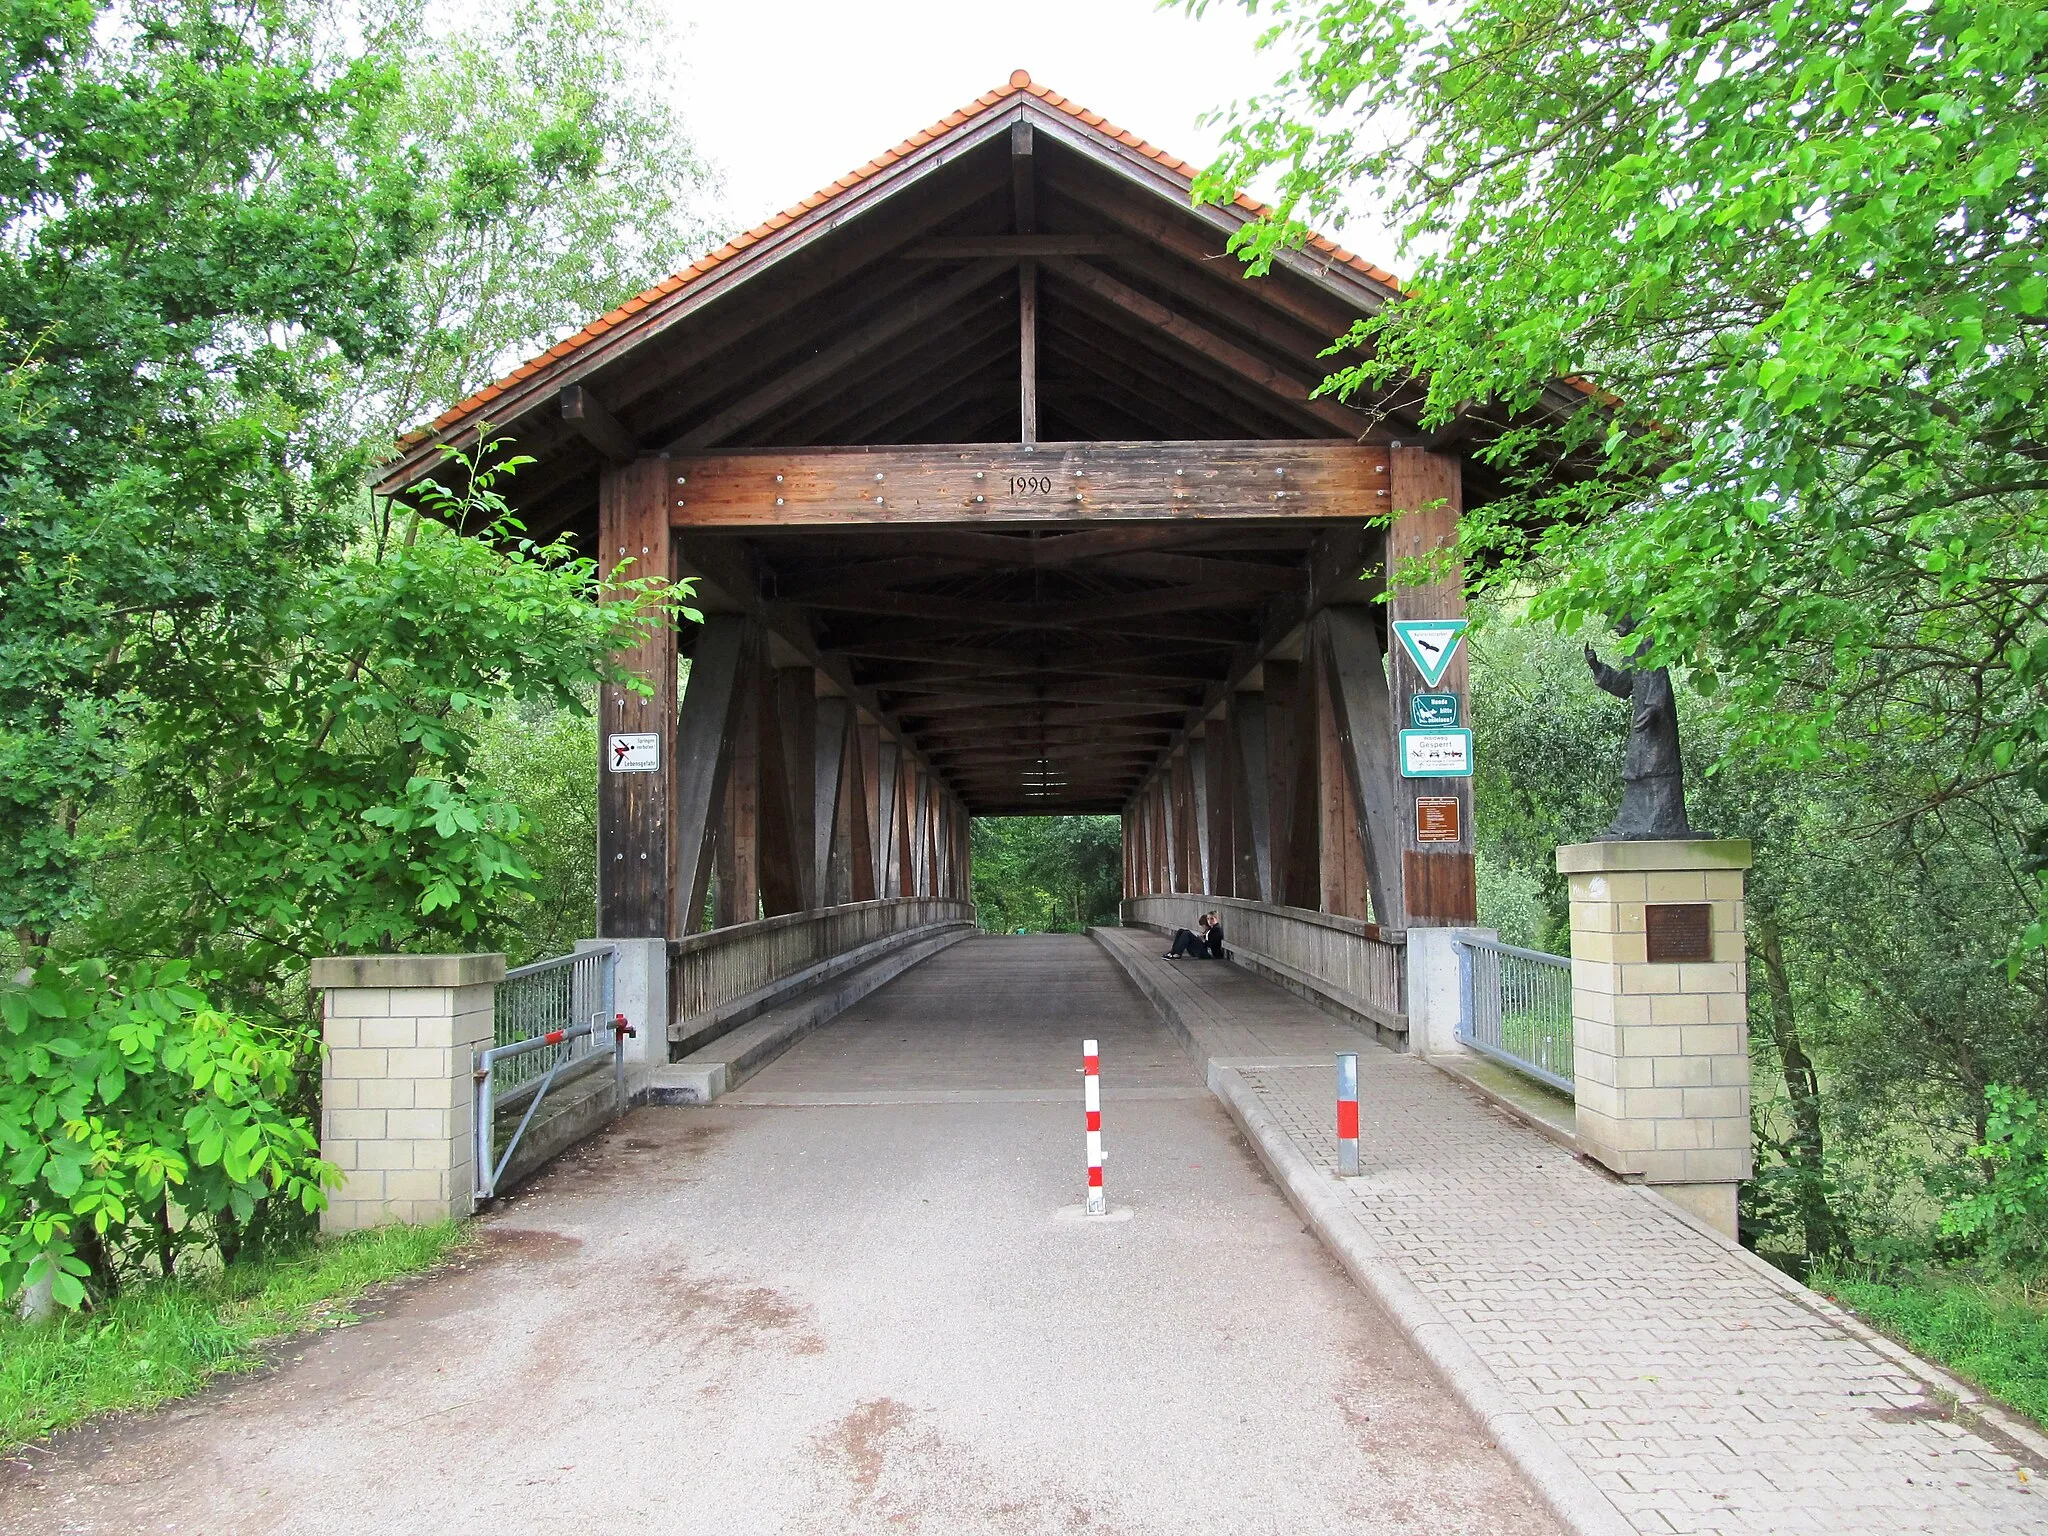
x=1207, y=945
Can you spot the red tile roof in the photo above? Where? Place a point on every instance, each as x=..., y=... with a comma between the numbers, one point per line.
x=1020, y=84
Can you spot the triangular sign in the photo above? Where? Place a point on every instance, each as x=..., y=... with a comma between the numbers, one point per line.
x=1430, y=644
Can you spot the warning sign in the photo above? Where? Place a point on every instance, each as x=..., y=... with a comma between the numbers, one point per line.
x=1436, y=819
x=635, y=752
x=1430, y=644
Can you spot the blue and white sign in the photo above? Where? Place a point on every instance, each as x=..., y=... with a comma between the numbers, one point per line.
x=1430, y=644
x=1436, y=754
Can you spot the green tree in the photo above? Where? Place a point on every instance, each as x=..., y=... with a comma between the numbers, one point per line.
x=1048, y=873
x=1790, y=256
x=190, y=192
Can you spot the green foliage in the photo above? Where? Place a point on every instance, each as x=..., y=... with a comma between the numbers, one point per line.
x=1793, y=254
x=1047, y=874
x=1990, y=1333
x=540, y=757
x=558, y=179
x=306, y=772
x=2009, y=1215
x=131, y=1111
x=190, y=191
x=244, y=244
x=166, y=1338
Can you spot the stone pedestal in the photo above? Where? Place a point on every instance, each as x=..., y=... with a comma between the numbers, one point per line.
x=1660, y=1016
x=397, y=1087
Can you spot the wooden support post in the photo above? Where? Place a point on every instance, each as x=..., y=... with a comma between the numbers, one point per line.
x=831, y=720
x=705, y=734
x=1290, y=784
x=633, y=808
x=1162, y=827
x=1027, y=348
x=1427, y=495
x=914, y=809
x=867, y=805
x=739, y=834
x=888, y=817
x=1347, y=641
x=1214, y=802
x=1347, y=883
x=785, y=842
x=1203, y=871
x=1255, y=796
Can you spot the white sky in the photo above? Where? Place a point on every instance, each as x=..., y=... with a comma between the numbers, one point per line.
x=788, y=95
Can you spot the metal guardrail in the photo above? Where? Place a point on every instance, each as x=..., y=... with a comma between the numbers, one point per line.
x=1515, y=1005
x=550, y=1023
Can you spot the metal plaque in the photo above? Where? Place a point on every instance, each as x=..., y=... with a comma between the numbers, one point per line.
x=1435, y=712
x=1436, y=819
x=635, y=752
x=1676, y=932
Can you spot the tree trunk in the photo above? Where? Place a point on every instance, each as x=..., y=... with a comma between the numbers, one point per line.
x=1802, y=1085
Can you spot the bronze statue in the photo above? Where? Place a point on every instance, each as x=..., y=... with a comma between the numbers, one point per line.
x=1652, y=777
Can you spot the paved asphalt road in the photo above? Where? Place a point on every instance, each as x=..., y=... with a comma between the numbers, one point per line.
x=843, y=1301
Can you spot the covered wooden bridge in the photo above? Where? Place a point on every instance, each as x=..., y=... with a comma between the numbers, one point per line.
x=1005, y=493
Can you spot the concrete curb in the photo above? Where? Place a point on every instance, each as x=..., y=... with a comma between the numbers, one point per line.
x=1558, y=1480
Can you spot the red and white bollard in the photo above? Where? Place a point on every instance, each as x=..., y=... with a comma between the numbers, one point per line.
x=1347, y=1114
x=1091, y=1101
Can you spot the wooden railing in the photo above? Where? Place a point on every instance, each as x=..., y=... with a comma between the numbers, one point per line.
x=711, y=972
x=1339, y=961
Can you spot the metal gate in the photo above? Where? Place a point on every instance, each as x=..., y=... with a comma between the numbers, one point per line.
x=552, y=1023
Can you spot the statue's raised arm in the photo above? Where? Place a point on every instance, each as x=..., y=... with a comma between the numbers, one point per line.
x=1653, y=775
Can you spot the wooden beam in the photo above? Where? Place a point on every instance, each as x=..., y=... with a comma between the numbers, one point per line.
x=1027, y=349
x=1440, y=878
x=892, y=379
x=1015, y=247
x=1023, y=179
x=1169, y=230
x=1058, y=483
x=705, y=732
x=597, y=426
x=1355, y=672
x=634, y=817
x=774, y=285
x=925, y=304
x=833, y=716
x=1197, y=338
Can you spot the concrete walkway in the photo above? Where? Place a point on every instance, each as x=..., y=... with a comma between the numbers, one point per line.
x=1628, y=1350
x=843, y=1300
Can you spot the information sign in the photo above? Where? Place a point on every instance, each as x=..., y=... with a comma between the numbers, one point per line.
x=1436, y=819
x=636, y=752
x=1436, y=754
x=1435, y=712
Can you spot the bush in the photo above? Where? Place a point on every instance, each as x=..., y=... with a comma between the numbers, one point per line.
x=138, y=1121
x=2009, y=1215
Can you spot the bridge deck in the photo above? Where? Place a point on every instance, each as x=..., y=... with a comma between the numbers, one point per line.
x=845, y=1312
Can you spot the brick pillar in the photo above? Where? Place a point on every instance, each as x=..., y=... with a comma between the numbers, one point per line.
x=402, y=1032
x=1660, y=1016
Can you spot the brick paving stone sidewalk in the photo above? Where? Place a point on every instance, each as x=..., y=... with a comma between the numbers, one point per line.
x=1698, y=1395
